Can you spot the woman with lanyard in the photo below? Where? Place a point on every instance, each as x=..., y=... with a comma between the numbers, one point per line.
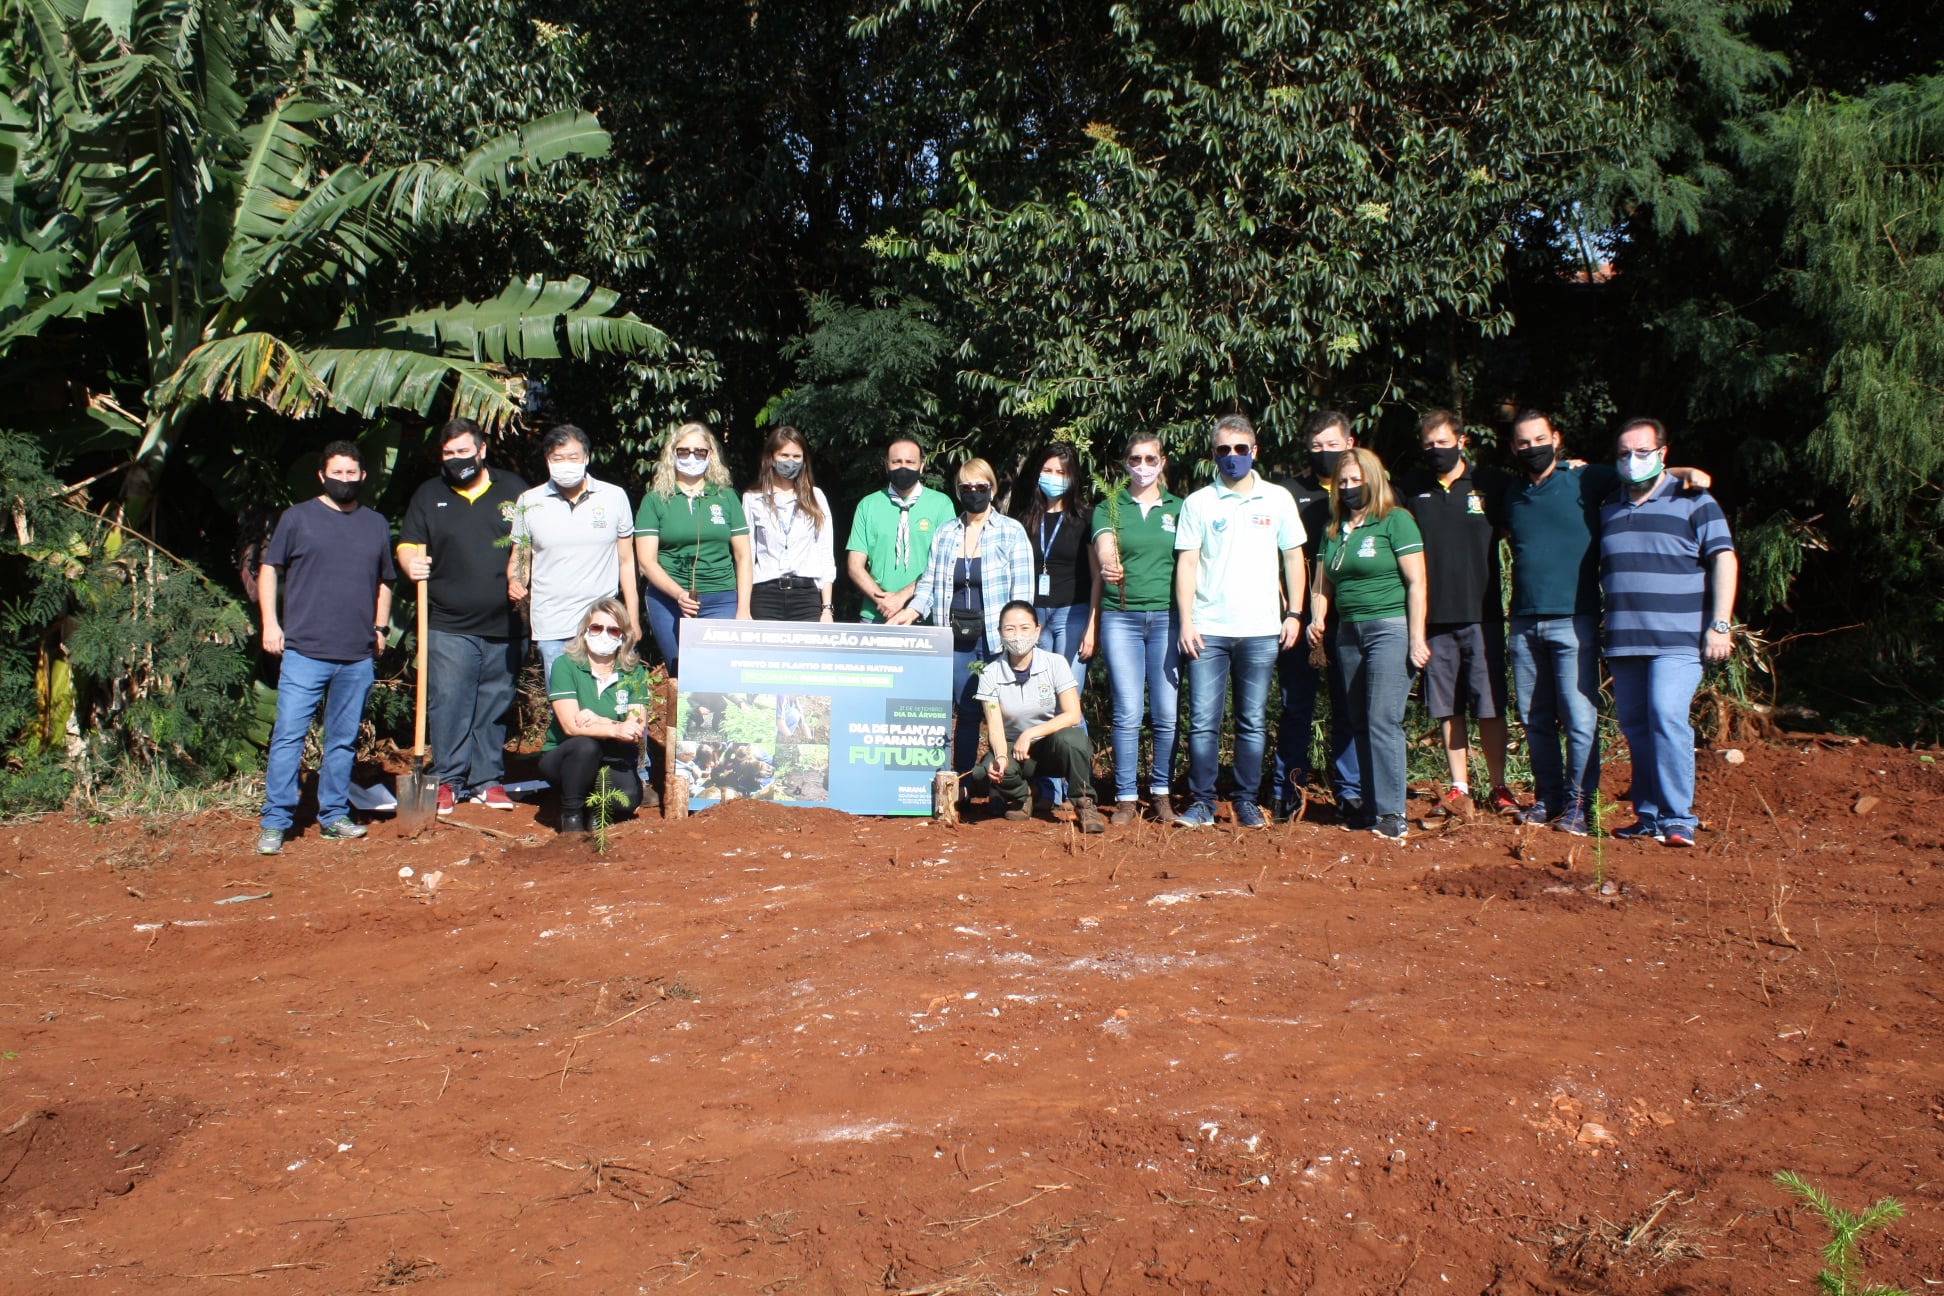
x=1133, y=535
x=1370, y=569
x=1057, y=517
x=980, y=561
x=600, y=711
x=691, y=540
x=789, y=532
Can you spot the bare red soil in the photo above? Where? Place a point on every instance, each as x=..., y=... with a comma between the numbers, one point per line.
x=768, y=1050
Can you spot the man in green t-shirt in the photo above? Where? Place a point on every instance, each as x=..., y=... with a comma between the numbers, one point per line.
x=891, y=535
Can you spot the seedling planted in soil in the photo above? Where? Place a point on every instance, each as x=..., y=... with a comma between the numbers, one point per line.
x=604, y=801
x=1846, y=1230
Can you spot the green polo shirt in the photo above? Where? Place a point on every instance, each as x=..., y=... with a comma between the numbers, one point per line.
x=874, y=533
x=693, y=533
x=571, y=680
x=1146, y=539
x=1365, y=583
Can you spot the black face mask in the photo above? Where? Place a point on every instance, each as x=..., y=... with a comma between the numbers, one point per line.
x=341, y=492
x=1323, y=463
x=975, y=499
x=1441, y=459
x=1352, y=497
x=903, y=479
x=1536, y=459
x=460, y=472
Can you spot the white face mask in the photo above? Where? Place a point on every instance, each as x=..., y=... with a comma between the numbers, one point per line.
x=691, y=465
x=567, y=476
x=603, y=645
x=1640, y=465
x=1144, y=475
x=1019, y=644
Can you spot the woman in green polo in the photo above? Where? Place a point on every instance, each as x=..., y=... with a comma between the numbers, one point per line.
x=691, y=540
x=1133, y=533
x=1370, y=575
x=599, y=694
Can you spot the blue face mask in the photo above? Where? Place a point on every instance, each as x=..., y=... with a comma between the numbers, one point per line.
x=1052, y=487
x=1235, y=466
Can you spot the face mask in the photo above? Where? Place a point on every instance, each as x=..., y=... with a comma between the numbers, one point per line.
x=1144, y=475
x=567, y=476
x=691, y=465
x=603, y=645
x=341, y=492
x=787, y=469
x=1323, y=463
x=903, y=479
x=1235, y=466
x=1536, y=459
x=1052, y=487
x=1019, y=645
x=1640, y=466
x=1441, y=459
x=1352, y=497
x=460, y=472
x=975, y=499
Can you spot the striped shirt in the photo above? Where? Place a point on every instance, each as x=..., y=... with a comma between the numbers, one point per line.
x=1653, y=568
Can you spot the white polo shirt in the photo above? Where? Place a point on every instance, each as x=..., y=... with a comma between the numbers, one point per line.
x=1242, y=536
x=575, y=558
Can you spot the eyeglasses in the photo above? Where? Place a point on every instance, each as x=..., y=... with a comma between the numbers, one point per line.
x=1234, y=449
x=1143, y=459
x=604, y=629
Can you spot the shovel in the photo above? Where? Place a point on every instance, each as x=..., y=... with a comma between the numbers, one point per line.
x=418, y=791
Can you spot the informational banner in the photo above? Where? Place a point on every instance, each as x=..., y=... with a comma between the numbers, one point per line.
x=854, y=717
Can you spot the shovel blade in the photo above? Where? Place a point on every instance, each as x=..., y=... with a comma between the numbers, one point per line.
x=418, y=800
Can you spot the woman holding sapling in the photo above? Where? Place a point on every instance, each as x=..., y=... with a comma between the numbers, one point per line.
x=1133, y=535
x=1370, y=575
x=1054, y=509
x=599, y=694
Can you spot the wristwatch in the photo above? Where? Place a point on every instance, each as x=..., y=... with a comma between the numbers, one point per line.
x=1720, y=627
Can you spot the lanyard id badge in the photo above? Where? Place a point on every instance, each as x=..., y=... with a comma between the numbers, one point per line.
x=1046, y=554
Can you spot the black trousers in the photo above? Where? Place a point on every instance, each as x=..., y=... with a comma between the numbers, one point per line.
x=769, y=601
x=572, y=767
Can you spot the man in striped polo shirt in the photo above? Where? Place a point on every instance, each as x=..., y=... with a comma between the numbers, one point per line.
x=1668, y=570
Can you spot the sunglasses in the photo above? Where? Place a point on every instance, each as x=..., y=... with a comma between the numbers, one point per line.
x=1144, y=459
x=604, y=629
x=1234, y=449
x=686, y=453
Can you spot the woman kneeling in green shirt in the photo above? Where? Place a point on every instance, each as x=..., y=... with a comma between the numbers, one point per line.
x=599, y=693
x=1370, y=568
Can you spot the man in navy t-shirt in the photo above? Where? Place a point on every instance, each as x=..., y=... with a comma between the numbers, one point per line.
x=332, y=557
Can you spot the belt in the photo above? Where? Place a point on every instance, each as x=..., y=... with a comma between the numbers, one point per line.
x=788, y=583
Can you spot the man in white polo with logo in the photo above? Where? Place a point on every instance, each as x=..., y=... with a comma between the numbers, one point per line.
x=1238, y=543
x=573, y=542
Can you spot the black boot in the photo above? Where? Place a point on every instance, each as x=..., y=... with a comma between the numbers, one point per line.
x=573, y=821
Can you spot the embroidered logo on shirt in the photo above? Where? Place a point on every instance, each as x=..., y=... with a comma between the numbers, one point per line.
x=1475, y=503
x=1368, y=549
x=1261, y=520
x=506, y=511
x=716, y=517
x=598, y=519
x=1218, y=524
x=924, y=524
x=621, y=698
x=1167, y=522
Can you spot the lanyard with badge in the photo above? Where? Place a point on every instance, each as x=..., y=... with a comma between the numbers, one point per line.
x=1046, y=553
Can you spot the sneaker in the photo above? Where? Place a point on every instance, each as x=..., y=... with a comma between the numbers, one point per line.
x=1453, y=807
x=1639, y=830
x=270, y=841
x=448, y=798
x=1164, y=811
x=1021, y=810
x=1198, y=815
x=493, y=797
x=1572, y=820
x=1533, y=816
x=1681, y=837
x=341, y=830
x=1501, y=801
x=1282, y=809
x=1125, y=813
x=1391, y=826
x=1248, y=814
x=1087, y=815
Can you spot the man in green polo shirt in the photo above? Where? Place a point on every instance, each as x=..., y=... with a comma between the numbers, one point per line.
x=891, y=534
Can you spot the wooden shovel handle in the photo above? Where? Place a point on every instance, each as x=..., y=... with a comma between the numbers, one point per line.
x=418, y=725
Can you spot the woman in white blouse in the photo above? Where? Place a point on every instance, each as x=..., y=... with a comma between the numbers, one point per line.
x=790, y=534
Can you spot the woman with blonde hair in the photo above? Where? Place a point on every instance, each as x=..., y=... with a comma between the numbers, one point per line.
x=1370, y=572
x=599, y=694
x=691, y=540
x=790, y=535
x=980, y=561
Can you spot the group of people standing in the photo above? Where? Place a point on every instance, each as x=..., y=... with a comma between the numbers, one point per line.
x=1339, y=578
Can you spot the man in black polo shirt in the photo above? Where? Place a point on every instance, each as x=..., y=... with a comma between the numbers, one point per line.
x=1457, y=510
x=454, y=538
x=1326, y=435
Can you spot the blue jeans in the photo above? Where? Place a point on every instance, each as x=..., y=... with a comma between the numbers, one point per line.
x=968, y=717
x=1248, y=662
x=665, y=620
x=1143, y=654
x=302, y=683
x=1373, y=661
x=1556, y=673
x=469, y=687
x=550, y=651
x=1061, y=630
x=1652, y=696
x=1297, y=681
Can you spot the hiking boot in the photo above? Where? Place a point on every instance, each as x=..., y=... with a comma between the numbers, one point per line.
x=448, y=798
x=1452, y=808
x=1390, y=826
x=1021, y=810
x=270, y=841
x=1198, y=815
x=650, y=798
x=1500, y=801
x=494, y=797
x=1639, y=830
x=572, y=821
x=1088, y=815
x=1681, y=837
x=1164, y=811
x=1572, y=820
x=1125, y=813
x=341, y=830
x=1248, y=814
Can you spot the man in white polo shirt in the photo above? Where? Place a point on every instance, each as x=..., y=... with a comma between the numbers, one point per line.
x=1232, y=535
x=573, y=542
